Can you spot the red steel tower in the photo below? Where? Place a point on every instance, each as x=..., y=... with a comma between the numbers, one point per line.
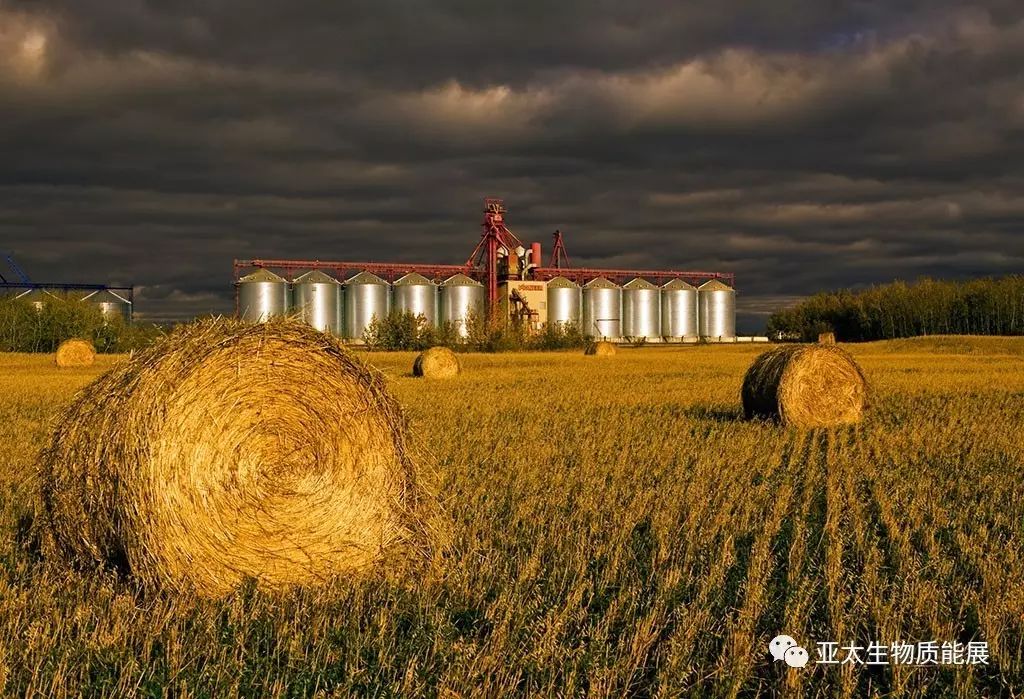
x=496, y=241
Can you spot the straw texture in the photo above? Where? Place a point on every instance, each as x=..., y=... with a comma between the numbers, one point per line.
x=600, y=349
x=436, y=363
x=229, y=450
x=806, y=386
x=75, y=352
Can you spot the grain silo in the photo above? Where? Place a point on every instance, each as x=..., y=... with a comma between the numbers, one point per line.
x=679, y=311
x=316, y=298
x=462, y=300
x=262, y=295
x=602, y=309
x=37, y=298
x=565, y=302
x=417, y=295
x=111, y=306
x=716, y=311
x=367, y=296
x=641, y=310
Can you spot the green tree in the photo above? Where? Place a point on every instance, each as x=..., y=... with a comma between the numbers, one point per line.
x=927, y=307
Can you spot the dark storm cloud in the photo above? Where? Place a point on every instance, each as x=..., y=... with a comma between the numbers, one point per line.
x=800, y=144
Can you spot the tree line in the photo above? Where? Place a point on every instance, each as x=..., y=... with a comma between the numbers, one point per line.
x=927, y=307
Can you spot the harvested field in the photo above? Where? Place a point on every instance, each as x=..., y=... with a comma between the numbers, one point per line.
x=621, y=532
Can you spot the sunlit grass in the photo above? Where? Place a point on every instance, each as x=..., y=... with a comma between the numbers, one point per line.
x=615, y=530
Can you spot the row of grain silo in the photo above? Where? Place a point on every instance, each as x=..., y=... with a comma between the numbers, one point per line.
x=639, y=310
x=347, y=308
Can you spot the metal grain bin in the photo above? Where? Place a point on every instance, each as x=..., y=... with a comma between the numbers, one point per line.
x=565, y=301
x=316, y=298
x=262, y=295
x=37, y=298
x=716, y=311
x=367, y=296
x=461, y=299
x=112, y=307
x=602, y=309
x=679, y=311
x=641, y=310
x=416, y=294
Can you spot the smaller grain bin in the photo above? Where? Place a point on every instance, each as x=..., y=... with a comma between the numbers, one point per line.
x=565, y=302
x=367, y=296
x=417, y=295
x=602, y=309
x=679, y=311
x=316, y=298
x=462, y=301
x=112, y=307
x=716, y=312
x=262, y=295
x=37, y=298
x=641, y=311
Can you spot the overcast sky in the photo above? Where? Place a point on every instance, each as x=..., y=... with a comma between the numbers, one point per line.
x=802, y=144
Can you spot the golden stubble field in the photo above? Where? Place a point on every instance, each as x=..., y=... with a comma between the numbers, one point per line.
x=615, y=530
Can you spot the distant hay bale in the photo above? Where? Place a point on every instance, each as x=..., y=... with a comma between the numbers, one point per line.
x=600, y=349
x=75, y=352
x=227, y=451
x=436, y=363
x=806, y=386
x=826, y=338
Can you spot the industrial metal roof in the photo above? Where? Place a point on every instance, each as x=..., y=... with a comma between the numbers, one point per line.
x=678, y=284
x=460, y=280
x=315, y=277
x=714, y=285
x=365, y=278
x=412, y=279
x=639, y=283
x=262, y=275
x=105, y=296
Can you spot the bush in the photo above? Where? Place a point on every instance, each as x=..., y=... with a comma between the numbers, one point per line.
x=400, y=331
x=406, y=332
x=25, y=328
x=515, y=336
x=558, y=336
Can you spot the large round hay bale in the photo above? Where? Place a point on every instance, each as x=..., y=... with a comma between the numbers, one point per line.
x=436, y=363
x=229, y=451
x=806, y=386
x=75, y=352
x=826, y=338
x=600, y=349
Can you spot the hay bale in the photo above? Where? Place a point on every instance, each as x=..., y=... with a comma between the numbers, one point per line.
x=75, y=352
x=229, y=450
x=601, y=349
x=436, y=363
x=826, y=338
x=806, y=386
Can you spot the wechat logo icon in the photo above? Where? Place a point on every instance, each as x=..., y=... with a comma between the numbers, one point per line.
x=786, y=649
